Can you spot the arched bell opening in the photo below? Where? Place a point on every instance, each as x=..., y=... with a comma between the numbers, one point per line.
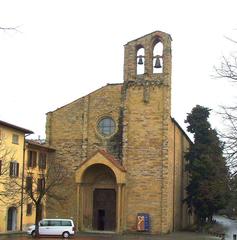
x=158, y=56
x=140, y=60
x=99, y=198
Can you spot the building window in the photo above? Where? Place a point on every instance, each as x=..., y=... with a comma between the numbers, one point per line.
x=14, y=169
x=106, y=126
x=41, y=184
x=0, y=167
x=15, y=139
x=42, y=160
x=29, y=209
x=28, y=184
x=32, y=158
x=1, y=136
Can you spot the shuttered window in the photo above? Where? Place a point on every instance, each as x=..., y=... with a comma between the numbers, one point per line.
x=1, y=136
x=32, y=159
x=0, y=167
x=15, y=139
x=42, y=160
x=29, y=184
x=14, y=169
x=29, y=209
x=41, y=184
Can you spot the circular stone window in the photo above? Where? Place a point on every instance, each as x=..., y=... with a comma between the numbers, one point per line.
x=106, y=126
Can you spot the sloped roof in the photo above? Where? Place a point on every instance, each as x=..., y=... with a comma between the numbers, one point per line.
x=36, y=144
x=109, y=157
x=9, y=125
x=181, y=129
x=98, y=89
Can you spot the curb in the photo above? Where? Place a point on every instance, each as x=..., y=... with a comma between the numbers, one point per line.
x=220, y=235
x=12, y=233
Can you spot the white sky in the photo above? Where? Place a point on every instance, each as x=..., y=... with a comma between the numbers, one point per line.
x=67, y=48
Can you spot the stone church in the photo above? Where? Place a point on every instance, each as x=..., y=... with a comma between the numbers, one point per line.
x=123, y=150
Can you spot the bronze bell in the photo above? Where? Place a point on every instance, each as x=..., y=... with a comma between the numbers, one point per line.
x=140, y=61
x=157, y=63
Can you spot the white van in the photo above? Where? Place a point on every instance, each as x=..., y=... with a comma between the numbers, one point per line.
x=53, y=227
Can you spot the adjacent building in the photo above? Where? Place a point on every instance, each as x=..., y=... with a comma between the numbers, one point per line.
x=12, y=144
x=24, y=162
x=36, y=161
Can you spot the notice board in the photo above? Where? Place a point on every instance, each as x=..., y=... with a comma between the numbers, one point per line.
x=143, y=222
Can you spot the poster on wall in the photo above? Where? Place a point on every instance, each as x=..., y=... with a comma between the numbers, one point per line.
x=143, y=222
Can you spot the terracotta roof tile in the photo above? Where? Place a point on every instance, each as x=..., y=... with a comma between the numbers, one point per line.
x=108, y=156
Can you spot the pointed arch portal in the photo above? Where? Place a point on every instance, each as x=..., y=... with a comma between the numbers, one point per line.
x=100, y=192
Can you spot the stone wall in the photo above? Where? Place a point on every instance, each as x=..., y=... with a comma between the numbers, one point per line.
x=143, y=158
x=72, y=131
x=147, y=107
x=179, y=145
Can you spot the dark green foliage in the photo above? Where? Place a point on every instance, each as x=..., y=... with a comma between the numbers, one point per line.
x=208, y=186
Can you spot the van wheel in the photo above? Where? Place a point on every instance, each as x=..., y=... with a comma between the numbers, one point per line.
x=66, y=234
x=33, y=234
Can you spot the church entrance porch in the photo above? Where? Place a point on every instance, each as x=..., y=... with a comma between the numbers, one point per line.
x=100, y=194
x=98, y=198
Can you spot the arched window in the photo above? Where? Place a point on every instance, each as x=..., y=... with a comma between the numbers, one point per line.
x=158, y=57
x=140, y=60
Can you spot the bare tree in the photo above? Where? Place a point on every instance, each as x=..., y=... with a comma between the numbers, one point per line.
x=229, y=136
x=38, y=188
x=9, y=28
x=228, y=70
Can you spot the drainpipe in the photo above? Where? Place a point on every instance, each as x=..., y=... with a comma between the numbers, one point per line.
x=22, y=180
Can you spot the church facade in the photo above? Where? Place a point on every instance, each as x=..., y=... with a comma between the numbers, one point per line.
x=123, y=151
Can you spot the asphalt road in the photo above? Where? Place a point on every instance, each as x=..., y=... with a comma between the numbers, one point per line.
x=229, y=225
x=173, y=236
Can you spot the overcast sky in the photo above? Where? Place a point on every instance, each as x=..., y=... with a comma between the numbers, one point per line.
x=63, y=50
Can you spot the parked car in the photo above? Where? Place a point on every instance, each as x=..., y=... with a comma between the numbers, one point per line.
x=54, y=227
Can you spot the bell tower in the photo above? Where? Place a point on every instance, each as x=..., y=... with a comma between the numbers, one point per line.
x=146, y=117
x=152, y=53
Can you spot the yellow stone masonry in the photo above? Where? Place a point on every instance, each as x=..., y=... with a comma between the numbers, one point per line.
x=147, y=143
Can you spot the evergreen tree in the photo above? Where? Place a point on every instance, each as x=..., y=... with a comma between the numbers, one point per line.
x=208, y=175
